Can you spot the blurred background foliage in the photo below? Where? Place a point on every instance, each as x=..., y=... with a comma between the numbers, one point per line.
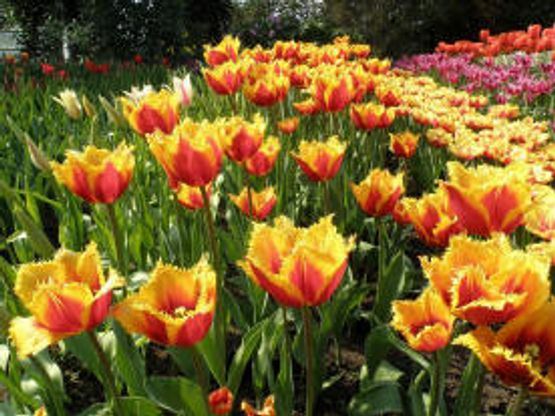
x=107, y=29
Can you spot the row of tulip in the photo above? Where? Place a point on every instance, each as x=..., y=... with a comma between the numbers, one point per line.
x=485, y=283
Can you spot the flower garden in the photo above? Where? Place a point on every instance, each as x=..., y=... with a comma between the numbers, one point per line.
x=304, y=229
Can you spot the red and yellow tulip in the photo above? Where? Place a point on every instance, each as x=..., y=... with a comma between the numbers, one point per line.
x=332, y=92
x=241, y=139
x=288, y=125
x=96, y=175
x=487, y=282
x=262, y=162
x=522, y=353
x=320, y=161
x=268, y=408
x=226, y=50
x=370, y=116
x=191, y=154
x=426, y=323
x=378, y=193
x=487, y=199
x=66, y=296
x=262, y=202
x=175, y=307
x=220, y=401
x=266, y=84
x=191, y=196
x=225, y=79
x=297, y=266
x=540, y=218
x=154, y=111
x=403, y=144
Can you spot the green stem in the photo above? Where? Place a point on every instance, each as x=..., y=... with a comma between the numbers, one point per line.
x=54, y=395
x=219, y=319
x=327, y=200
x=308, y=351
x=118, y=240
x=518, y=403
x=435, y=388
x=479, y=387
x=108, y=374
x=200, y=371
x=249, y=193
x=285, y=332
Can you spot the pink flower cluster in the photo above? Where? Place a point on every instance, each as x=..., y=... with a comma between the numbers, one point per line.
x=520, y=75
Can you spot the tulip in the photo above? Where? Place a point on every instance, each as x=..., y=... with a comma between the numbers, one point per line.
x=191, y=154
x=70, y=103
x=242, y=139
x=545, y=248
x=175, y=307
x=267, y=408
x=320, y=161
x=190, y=196
x=521, y=353
x=152, y=112
x=430, y=217
x=540, y=218
x=426, y=322
x=388, y=95
x=66, y=296
x=378, y=193
x=224, y=79
x=262, y=202
x=404, y=144
x=298, y=266
x=308, y=107
x=487, y=199
x=183, y=89
x=226, y=50
x=220, y=401
x=262, y=162
x=288, y=125
x=96, y=175
x=266, y=84
x=487, y=282
x=371, y=116
x=332, y=92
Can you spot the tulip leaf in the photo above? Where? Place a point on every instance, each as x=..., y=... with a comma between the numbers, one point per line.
x=390, y=286
x=248, y=345
x=285, y=387
x=128, y=361
x=97, y=409
x=177, y=393
x=382, y=397
x=376, y=347
x=38, y=240
x=80, y=346
x=212, y=356
x=139, y=406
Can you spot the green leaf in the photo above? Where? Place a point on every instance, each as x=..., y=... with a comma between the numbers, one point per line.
x=80, y=346
x=378, y=399
x=213, y=356
x=129, y=362
x=376, y=347
x=285, y=386
x=248, y=345
x=177, y=393
x=139, y=406
x=97, y=409
x=469, y=392
x=38, y=239
x=390, y=286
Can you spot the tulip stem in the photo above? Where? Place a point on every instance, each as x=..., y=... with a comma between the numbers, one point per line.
x=435, y=387
x=327, y=200
x=307, y=322
x=219, y=318
x=116, y=234
x=108, y=374
x=199, y=370
x=249, y=194
x=518, y=402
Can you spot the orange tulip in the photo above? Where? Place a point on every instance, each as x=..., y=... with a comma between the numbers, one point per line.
x=320, y=161
x=297, y=266
x=430, y=217
x=66, y=296
x=426, y=322
x=262, y=202
x=288, y=125
x=220, y=401
x=388, y=95
x=370, y=116
x=540, y=218
x=487, y=199
x=487, y=282
x=152, y=112
x=96, y=175
x=404, y=144
x=379, y=192
x=224, y=79
x=190, y=196
x=332, y=92
x=226, y=50
x=175, y=307
x=522, y=353
x=266, y=84
x=267, y=408
x=308, y=107
x=241, y=139
x=262, y=162
x=191, y=154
